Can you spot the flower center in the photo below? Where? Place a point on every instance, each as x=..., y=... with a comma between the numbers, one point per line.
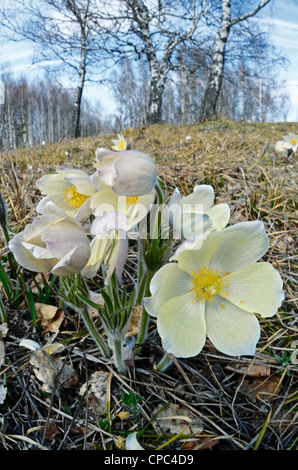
x=122, y=144
x=293, y=141
x=207, y=283
x=72, y=198
x=132, y=199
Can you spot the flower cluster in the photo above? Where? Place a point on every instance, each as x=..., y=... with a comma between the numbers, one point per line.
x=208, y=280
x=62, y=239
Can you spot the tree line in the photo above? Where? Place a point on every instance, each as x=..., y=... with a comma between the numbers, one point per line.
x=39, y=112
x=165, y=60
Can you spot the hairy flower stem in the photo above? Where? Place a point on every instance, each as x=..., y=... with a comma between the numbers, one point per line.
x=164, y=363
x=3, y=316
x=118, y=359
x=144, y=322
x=145, y=274
x=89, y=322
x=93, y=332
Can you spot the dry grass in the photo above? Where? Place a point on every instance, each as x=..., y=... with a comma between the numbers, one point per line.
x=241, y=405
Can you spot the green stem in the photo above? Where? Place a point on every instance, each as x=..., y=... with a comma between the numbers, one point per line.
x=117, y=349
x=93, y=332
x=3, y=316
x=144, y=322
x=12, y=264
x=164, y=363
x=145, y=275
x=80, y=284
x=159, y=192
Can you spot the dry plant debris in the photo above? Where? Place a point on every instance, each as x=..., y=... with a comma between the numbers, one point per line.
x=240, y=403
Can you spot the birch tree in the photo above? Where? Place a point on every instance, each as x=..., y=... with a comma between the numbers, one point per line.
x=63, y=35
x=154, y=30
x=213, y=88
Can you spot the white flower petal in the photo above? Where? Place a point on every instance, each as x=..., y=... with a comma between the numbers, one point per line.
x=257, y=288
x=239, y=246
x=108, y=222
x=220, y=215
x=29, y=344
x=191, y=244
x=102, y=154
x=72, y=263
x=39, y=252
x=24, y=257
x=200, y=254
x=81, y=180
x=168, y=282
x=105, y=200
x=99, y=248
x=131, y=442
x=181, y=326
x=202, y=194
x=62, y=237
x=52, y=184
x=134, y=176
x=231, y=330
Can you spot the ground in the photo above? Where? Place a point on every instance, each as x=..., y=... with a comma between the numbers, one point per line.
x=211, y=401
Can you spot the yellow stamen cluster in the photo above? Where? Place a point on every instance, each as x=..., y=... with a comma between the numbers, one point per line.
x=72, y=198
x=132, y=199
x=122, y=145
x=293, y=141
x=207, y=283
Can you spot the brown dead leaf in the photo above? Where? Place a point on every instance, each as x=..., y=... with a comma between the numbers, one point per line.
x=134, y=321
x=51, y=317
x=52, y=372
x=262, y=388
x=175, y=419
x=50, y=431
x=202, y=443
x=250, y=369
x=97, y=391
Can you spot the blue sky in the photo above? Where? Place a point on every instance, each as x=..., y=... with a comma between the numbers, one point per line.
x=285, y=37
x=282, y=16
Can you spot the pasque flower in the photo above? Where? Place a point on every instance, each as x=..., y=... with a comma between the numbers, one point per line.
x=127, y=172
x=52, y=243
x=120, y=143
x=192, y=215
x=115, y=216
x=70, y=190
x=214, y=292
x=288, y=142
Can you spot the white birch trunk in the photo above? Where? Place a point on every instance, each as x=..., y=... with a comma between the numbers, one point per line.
x=211, y=95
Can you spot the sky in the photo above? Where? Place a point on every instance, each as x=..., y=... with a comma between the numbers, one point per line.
x=282, y=18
